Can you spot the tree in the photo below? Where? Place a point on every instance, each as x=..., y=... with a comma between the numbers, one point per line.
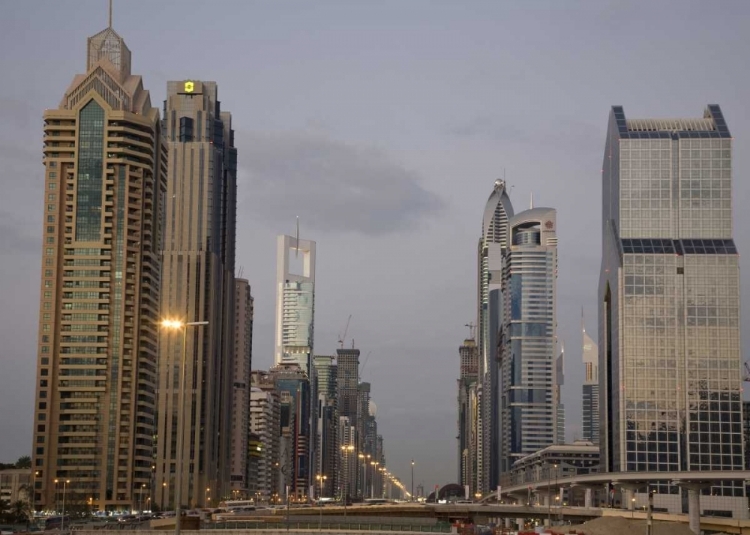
x=23, y=462
x=4, y=510
x=20, y=512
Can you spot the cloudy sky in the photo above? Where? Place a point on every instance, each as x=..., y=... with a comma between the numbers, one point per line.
x=383, y=125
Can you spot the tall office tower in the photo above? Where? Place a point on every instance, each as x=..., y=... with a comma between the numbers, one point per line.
x=295, y=302
x=529, y=335
x=363, y=415
x=266, y=382
x=327, y=423
x=265, y=414
x=349, y=461
x=492, y=244
x=669, y=301
x=590, y=387
x=469, y=373
x=198, y=283
x=558, y=381
x=347, y=381
x=294, y=388
x=243, y=354
x=746, y=431
x=105, y=171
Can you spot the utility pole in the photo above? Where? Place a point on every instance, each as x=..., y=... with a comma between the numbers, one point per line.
x=649, y=514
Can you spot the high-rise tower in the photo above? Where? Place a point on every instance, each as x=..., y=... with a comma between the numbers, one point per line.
x=529, y=336
x=590, y=387
x=243, y=357
x=105, y=170
x=467, y=408
x=669, y=301
x=198, y=281
x=492, y=244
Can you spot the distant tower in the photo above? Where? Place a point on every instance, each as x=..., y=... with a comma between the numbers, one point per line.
x=295, y=303
x=559, y=381
x=590, y=387
x=529, y=335
x=467, y=411
x=492, y=244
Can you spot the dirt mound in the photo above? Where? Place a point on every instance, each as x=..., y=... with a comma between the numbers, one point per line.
x=626, y=526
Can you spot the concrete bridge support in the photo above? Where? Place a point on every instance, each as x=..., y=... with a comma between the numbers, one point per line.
x=694, y=502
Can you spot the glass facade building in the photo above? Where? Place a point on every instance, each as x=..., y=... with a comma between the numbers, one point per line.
x=494, y=241
x=529, y=337
x=669, y=297
x=590, y=387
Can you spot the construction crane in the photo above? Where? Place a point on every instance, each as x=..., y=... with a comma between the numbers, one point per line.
x=346, y=330
x=471, y=327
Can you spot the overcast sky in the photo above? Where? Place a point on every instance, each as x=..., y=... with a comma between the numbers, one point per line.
x=383, y=125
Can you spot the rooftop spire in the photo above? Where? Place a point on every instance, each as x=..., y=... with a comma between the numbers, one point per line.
x=110, y=13
x=531, y=204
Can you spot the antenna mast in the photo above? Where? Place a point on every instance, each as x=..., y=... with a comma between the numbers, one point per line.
x=110, y=13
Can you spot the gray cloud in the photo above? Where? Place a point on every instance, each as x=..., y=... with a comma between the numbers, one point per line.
x=331, y=185
x=16, y=236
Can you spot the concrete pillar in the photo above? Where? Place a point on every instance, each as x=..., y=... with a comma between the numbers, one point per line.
x=520, y=523
x=507, y=522
x=588, y=498
x=694, y=509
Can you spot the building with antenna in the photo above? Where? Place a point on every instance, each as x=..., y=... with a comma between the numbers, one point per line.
x=558, y=382
x=490, y=299
x=295, y=301
x=105, y=182
x=529, y=336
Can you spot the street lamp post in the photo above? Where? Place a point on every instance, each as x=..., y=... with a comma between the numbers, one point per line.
x=321, y=479
x=177, y=324
x=347, y=450
x=412, y=480
x=62, y=521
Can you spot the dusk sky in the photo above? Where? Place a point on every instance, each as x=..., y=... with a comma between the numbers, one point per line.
x=383, y=126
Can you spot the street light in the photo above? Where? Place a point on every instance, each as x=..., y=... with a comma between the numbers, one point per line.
x=65, y=484
x=412, y=480
x=208, y=498
x=321, y=479
x=140, y=498
x=180, y=325
x=347, y=450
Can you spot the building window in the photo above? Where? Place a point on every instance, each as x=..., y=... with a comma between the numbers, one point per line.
x=89, y=187
x=50, y=219
x=45, y=328
x=50, y=207
x=51, y=230
x=51, y=197
x=50, y=251
x=40, y=428
x=45, y=361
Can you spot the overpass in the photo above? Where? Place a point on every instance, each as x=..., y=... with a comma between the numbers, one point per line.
x=482, y=513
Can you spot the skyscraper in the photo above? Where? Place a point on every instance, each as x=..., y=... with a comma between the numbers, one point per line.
x=198, y=283
x=105, y=171
x=293, y=385
x=295, y=302
x=557, y=383
x=590, y=387
x=467, y=383
x=669, y=298
x=529, y=335
x=347, y=382
x=492, y=245
x=327, y=423
x=265, y=422
x=243, y=352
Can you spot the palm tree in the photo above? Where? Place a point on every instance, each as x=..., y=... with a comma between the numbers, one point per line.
x=4, y=510
x=23, y=462
x=20, y=512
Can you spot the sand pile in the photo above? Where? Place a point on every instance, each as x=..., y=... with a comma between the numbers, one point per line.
x=625, y=526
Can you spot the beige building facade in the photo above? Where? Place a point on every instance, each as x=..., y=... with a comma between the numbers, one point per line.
x=198, y=286
x=243, y=351
x=105, y=170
